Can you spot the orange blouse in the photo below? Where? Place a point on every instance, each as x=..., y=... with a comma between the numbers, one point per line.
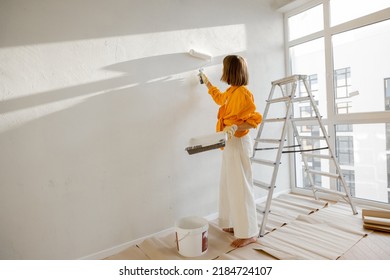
x=236, y=107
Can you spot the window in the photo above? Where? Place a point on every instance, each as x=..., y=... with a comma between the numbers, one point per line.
x=387, y=94
x=345, y=54
x=344, y=149
x=309, y=59
x=387, y=102
x=342, y=84
x=344, y=128
x=314, y=164
x=305, y=108
x=349, y=177
x=389, y=196
x=388, y=171
x=340, y=10
x=306, y=22
x=365, y=51
x=362, y=155
x=312, y=81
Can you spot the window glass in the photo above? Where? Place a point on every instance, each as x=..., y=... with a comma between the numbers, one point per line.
x=388, y=172
x=315, y=163
x=387, y=94
x=346, y=10
x=361, y=62
x=361, y=153
x=309, y=59
x=344, y=147
x=305, y=23
x=342, y=85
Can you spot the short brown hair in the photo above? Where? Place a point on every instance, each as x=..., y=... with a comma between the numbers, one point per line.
x=235, y=71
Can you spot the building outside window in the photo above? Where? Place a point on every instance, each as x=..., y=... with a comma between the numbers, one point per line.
x=344, y=150
x=349, y=177
x=342, y=84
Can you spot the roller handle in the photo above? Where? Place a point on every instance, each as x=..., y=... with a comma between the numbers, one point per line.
x=200, y=76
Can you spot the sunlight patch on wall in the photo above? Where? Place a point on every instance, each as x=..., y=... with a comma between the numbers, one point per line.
x=43, y=79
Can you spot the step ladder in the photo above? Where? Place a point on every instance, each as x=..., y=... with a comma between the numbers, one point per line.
x=288, y=87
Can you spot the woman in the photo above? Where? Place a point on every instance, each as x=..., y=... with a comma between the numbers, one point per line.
x=236, y=116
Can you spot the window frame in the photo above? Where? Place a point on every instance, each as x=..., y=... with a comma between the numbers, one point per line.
x=333, y=119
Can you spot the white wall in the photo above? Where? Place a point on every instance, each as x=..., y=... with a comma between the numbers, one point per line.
x=97, y=102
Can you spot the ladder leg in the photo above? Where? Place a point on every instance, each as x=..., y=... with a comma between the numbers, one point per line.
x=275, y=171
x=331, y=153
x=265, y=114
x=265, y=213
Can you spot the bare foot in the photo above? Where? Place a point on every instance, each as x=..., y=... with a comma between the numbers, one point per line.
x=229, y=230
x=241, y=242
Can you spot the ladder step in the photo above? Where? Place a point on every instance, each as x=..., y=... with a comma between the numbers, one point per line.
x=275, y=120
x=301, y=99
x=263, y=161
x=304, y=119
x=264, y=140
x=317, y=156
x=321, y=189
x=290, y=79
x=311, y=137
x=262, y=185
x=280, y=99
x=288, y=98
x=333, y=175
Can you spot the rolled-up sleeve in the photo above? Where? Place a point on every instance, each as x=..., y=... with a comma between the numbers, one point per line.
x=218, y=96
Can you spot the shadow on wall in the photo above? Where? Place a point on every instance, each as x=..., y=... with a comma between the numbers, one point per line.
x=140, y=112
x=160, y=67
x=180, y=67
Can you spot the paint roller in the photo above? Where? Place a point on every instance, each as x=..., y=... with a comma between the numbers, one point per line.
x=211, y=141
x=203, y=56
x=207, y=142
x=200, y=55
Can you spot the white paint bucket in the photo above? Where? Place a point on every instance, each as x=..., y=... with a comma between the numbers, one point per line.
x=192, y=236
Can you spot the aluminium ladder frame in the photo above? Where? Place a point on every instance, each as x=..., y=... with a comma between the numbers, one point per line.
x=289, y=99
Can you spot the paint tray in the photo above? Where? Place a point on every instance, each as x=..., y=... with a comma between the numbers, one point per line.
x=207, y=143
x=376, y=219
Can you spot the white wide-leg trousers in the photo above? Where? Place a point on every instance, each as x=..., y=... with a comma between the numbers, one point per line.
x=237, y=207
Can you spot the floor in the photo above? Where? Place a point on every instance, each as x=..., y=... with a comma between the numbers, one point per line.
x=298, y=228
x=375, y=246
